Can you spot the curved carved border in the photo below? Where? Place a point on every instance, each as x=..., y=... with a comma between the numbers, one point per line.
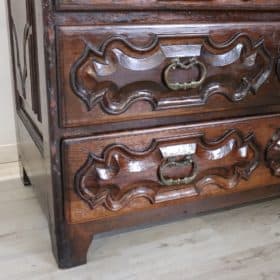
x=273, y=154
x=21, y=68
x=248, y=53
x=92, y=181
x=115, y=100
x=99, y=94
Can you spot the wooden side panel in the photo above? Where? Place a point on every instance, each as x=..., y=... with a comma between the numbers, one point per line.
x=115, y=174
x=36, y=167
x=25, y=56
x=29, y=83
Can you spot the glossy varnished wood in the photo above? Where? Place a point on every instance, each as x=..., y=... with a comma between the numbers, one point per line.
x=130, y=112
x=122, y=73
x=119, y=173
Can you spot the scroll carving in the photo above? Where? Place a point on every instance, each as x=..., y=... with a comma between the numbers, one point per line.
x=273, y=154
x=235, y=69
x=120, y=175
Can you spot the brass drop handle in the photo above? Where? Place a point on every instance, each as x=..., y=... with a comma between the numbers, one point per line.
x=176, y=63
x=172, y=162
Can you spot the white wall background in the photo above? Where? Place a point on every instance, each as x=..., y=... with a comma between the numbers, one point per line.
x=7, y=125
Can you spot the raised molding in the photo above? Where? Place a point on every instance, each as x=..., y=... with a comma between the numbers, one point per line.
x=92, y=75
x=221, y=162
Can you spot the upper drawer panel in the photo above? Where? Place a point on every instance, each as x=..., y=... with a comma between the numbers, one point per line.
x=165, y=4
x=114, y=74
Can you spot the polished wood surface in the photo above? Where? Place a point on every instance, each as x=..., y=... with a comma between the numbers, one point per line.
x=120, y=173
x=130, y=112
x=127, y=72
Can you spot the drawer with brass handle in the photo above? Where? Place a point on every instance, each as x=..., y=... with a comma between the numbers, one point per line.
x=118, y=173
x=129, y=73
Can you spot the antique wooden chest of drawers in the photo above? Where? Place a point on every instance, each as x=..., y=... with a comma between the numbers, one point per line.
x=130, y=112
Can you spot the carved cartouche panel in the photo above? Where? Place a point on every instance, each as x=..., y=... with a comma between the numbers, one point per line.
x=169, y=169
x=273, y=154
x=119, y=72
x=26, y=62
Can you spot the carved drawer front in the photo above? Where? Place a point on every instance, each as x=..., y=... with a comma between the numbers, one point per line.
x=112, y=74
x=165, y=4
x=118, y=173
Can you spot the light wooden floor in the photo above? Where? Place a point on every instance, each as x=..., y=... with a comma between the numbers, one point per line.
x=237, y=244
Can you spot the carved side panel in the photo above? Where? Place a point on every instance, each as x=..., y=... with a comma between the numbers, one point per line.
x=273, y=154
x=169, y=169
x=119, y=72
x=23, y=28
x=33, y=60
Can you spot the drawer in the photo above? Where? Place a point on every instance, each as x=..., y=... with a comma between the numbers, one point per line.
x=114, y=174
x=125, y=73
x=166, y=4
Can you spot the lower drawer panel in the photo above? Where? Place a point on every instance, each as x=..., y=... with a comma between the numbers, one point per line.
x=113, y=174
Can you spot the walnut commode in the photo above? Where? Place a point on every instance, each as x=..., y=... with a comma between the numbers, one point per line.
x=132, y=112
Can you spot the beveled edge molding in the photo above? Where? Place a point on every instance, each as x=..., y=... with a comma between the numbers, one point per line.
x=112, y=100
x=272, y=156
x=112, y=198
x=162, y=5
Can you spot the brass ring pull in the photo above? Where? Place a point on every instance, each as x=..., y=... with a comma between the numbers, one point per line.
x=176, y=63
x=171, y=162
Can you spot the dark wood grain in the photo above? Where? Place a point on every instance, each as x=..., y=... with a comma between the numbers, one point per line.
x=133, y=112
x=190, y=163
